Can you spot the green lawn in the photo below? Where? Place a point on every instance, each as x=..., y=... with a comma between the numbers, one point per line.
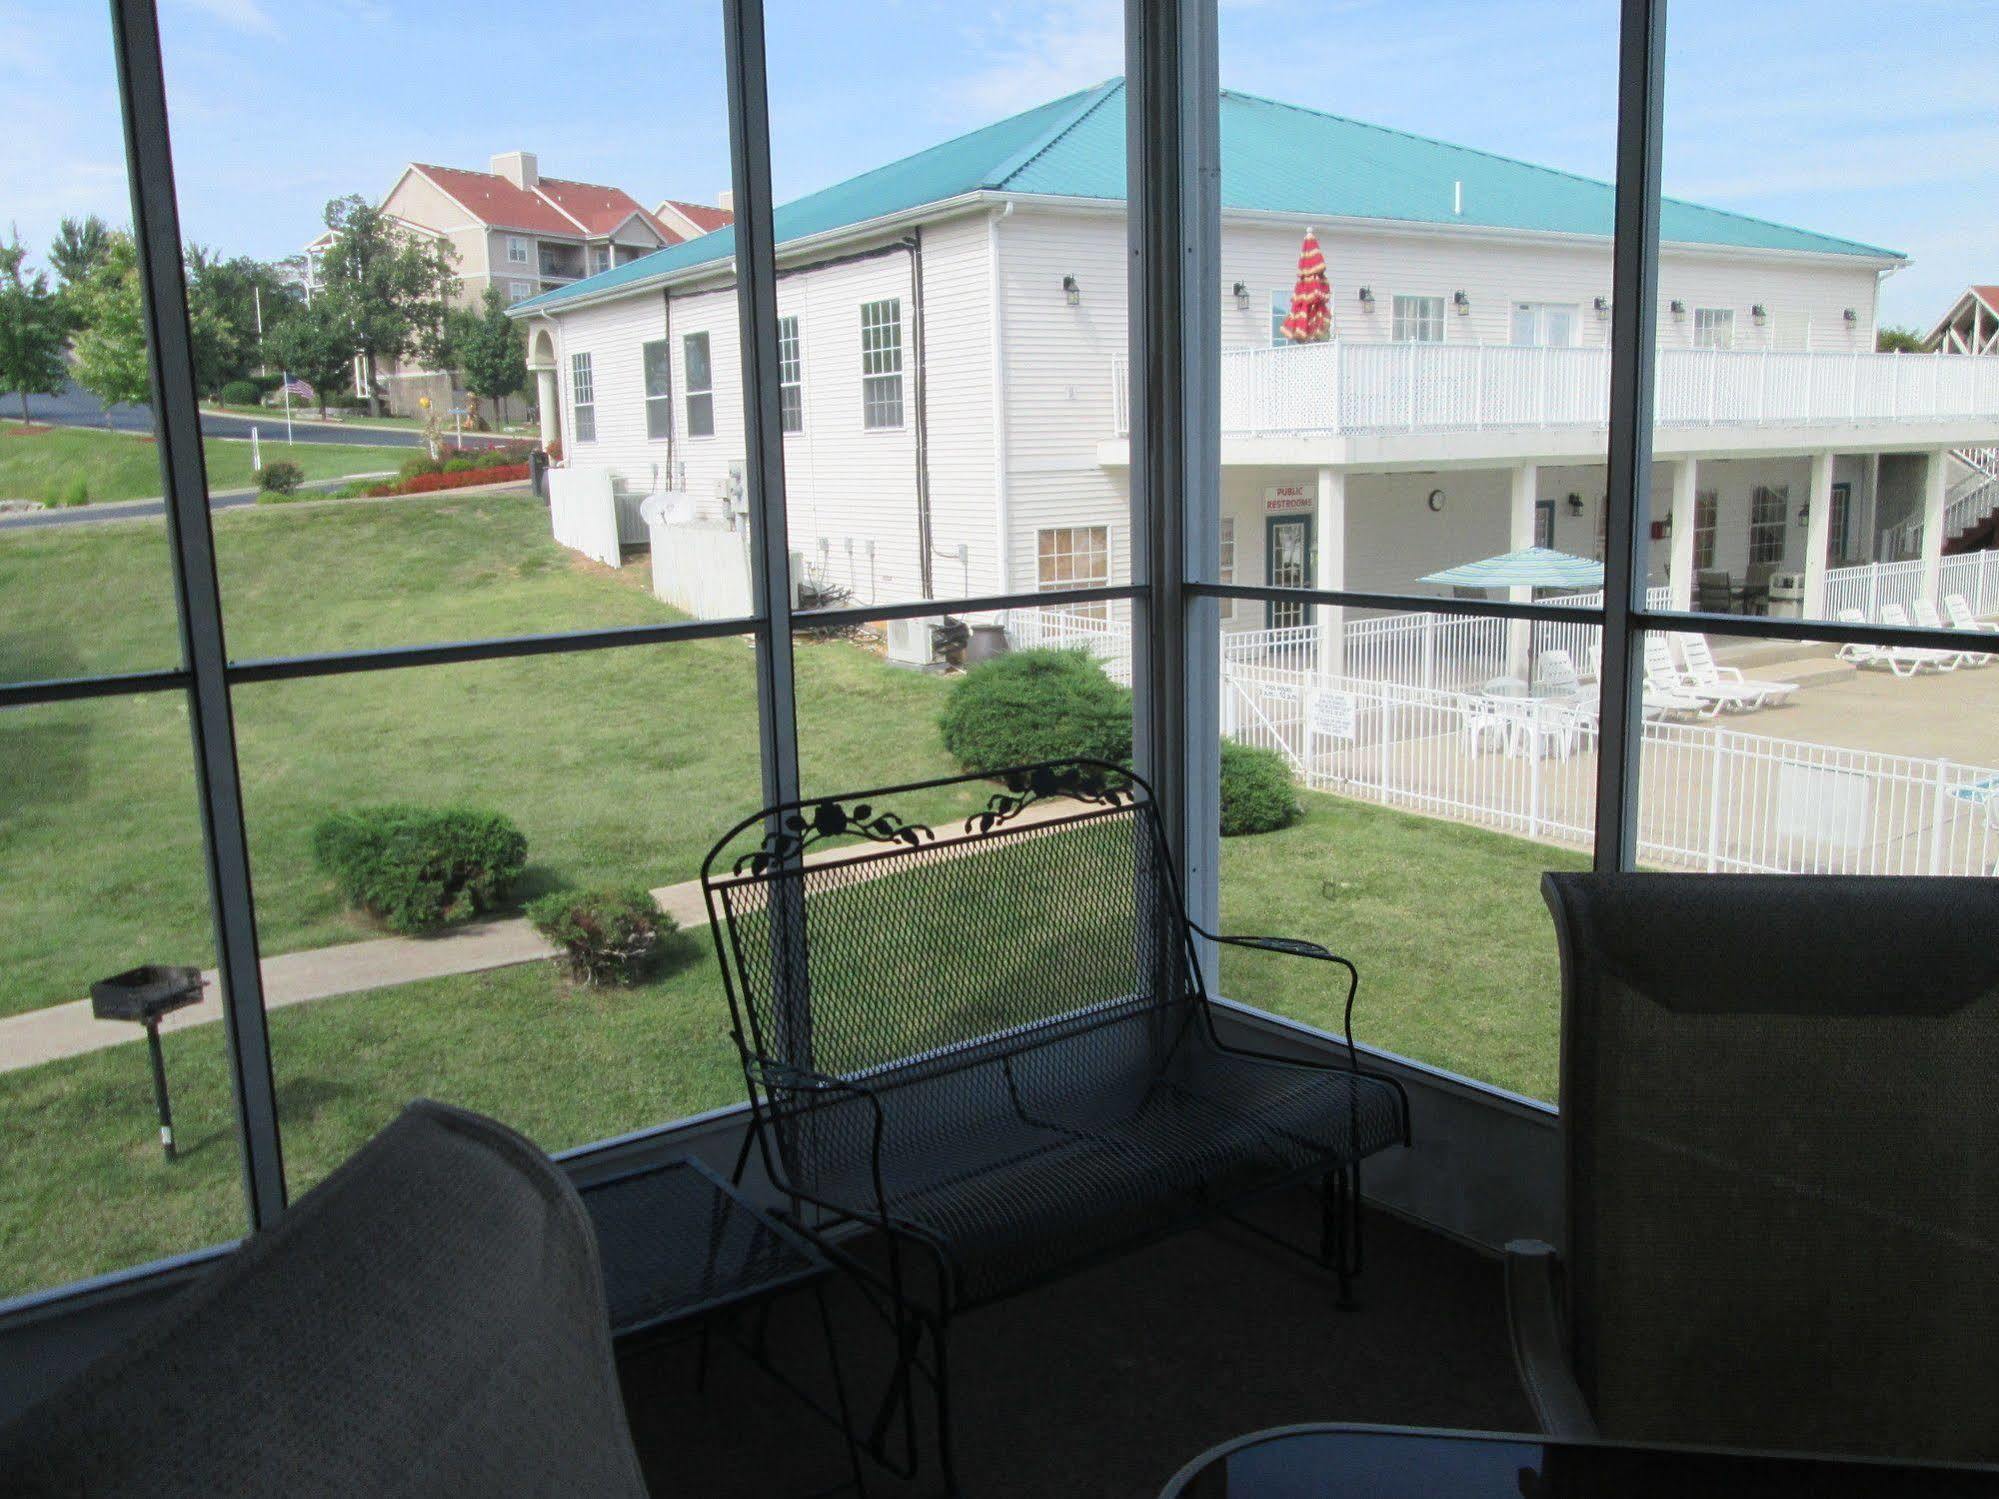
x=620, y=764
x=44, y=463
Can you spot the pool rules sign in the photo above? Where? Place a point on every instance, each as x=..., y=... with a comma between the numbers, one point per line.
x=1334, y=715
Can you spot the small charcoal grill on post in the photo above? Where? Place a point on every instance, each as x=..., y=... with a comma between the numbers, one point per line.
x=145, y=994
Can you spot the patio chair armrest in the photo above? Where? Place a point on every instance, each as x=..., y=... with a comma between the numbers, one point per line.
x=1728, y=674
x=1298, y=947
x=1540, y=1346
x=774, y=1074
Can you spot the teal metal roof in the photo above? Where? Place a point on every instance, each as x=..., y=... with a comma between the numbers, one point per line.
x=1277, y=158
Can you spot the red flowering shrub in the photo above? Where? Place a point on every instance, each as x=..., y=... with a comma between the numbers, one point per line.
x=499, y=473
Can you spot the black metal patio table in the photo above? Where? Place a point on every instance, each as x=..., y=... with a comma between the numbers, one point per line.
x=680, y=1246
x=1339, y=1461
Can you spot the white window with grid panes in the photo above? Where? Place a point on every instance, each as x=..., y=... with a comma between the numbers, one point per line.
x=1714, y=327
x=519, y=291
x=1225, y=566
x=1074, y=557
x=582, y=399
x=1418, y=320
x=517, y=250
x=1707, y=506
x=1842, y=511
x=657, y=360
x=790, y=376
x=881, y=364
x=700, y=372
x=1769, y=522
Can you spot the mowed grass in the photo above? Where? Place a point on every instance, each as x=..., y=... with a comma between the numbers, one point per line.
x=47, y=463
x=620, y=765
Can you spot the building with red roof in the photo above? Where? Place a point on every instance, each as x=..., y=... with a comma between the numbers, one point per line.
x=1971, y=326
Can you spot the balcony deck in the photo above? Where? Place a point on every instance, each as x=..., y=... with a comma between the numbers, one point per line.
x=1501, y=401
x=1104, y=1384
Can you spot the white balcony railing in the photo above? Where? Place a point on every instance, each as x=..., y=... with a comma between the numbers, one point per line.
x=1355, y=388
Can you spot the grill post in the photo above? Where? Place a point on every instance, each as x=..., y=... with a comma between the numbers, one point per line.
x=160, y=1086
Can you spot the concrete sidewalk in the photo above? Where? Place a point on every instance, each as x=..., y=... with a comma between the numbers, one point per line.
x=69, y=1030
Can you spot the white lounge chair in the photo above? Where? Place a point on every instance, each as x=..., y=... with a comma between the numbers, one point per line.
x=1925, y=655
x=1961, y=617
x=1661, y=675
x=1555, y=674
x=1928, y=618
x=1658, y=701
x=1903, y=661
x=1703, y=671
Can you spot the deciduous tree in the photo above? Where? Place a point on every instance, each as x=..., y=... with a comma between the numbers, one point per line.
x=489, y=348
x=314, y=343
x=111, y=329
x=392, y=285
x=32, y=329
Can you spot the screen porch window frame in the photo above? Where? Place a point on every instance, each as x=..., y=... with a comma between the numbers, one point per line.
x=203, y=683
x=881, y=365
x=582, y=397
x=1416, y=318
x=656, y=379
x=790, y=375
x=699, y=373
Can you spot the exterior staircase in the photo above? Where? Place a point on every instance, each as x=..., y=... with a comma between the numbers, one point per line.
x=1971, y=506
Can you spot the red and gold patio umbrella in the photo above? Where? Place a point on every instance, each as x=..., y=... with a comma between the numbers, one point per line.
x=1311, y=316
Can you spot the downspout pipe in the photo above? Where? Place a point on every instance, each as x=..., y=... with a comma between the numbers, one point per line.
x=925, y=543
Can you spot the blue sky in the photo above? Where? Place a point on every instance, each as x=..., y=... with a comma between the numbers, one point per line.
x=1860, y=119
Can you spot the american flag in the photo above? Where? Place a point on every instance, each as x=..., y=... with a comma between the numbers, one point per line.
x=298, y=390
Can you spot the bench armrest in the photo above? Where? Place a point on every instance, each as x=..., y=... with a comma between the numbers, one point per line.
x=1298, y=947
x=1540, y=1349
x=773, y=1074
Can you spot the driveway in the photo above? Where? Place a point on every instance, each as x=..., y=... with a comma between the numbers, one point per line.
x=76, y=407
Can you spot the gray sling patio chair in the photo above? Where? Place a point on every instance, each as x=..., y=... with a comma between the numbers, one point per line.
x=1780, y=1109
x=991, y=1044
x=426, y=1323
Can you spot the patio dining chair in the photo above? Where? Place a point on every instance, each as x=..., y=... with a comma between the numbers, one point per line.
x=1927, y=618
x=1555, y=672
x=1482, y=720
x=1703, y=673
x=1714, y=591
x=1780, y=1128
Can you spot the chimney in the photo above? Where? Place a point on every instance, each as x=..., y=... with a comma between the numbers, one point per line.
x=726, y=200
x=518, y=167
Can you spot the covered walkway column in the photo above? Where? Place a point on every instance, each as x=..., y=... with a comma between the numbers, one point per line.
x=1686, y=521
x=1329, y=567
x=545, y=399
x=1520, y=534
x=1818, y=535
x=1936, y=462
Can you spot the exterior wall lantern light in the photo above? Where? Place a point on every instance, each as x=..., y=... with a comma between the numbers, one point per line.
x=1678, y=309
x=1759, y=314
x=1462, y=302
x=1071, y=292
x=1602, y=306
x=1575, y=503
x=1367, y=299
x=1242, y=296
x=1851, y=317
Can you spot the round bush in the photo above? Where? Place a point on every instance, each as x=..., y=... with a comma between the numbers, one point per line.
x=1258, y=795
x=1029, y=706
x=418, y=464
x=280, y=477
x=240, y=393
x=606, y=935
x=418, y=868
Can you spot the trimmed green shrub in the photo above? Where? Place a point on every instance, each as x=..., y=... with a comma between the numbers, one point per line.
x=419, y=463
x=1258, y=795
x=458, y=466
x=607, y=935
x=282, y=477
x=240, y=393
x=1029, y=706
x=418, y=868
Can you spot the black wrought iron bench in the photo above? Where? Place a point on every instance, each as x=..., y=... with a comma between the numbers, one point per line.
x=994, y=1044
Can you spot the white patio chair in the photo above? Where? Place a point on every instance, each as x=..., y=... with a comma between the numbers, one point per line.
x=1703, y=671
x=1961, y=617
x=1483, y=720
x=1555, y=674
x=1915, y=657
x=1557, y=727
x=1928, y=618
x=1663, y=677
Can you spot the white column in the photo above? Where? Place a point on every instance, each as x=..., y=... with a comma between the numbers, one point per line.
x=1818, y=535
x=545, y=403
x=1329, y=569
x=1933, y=492
x=1686, y=520
x=1520, y=533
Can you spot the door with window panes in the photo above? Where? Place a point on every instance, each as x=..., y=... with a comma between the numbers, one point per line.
x=1287, y=554
x=1544, y=324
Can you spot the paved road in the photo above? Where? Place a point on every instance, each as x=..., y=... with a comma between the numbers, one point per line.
x=83, y=515
x=76, y=407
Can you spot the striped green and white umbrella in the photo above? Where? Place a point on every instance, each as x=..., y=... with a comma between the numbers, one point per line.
x=1530, y=567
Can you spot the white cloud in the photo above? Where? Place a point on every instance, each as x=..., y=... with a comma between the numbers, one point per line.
x=245, y=15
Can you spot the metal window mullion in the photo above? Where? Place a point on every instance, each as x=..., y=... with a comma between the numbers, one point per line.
x=190, y=534
x=1634, y=340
